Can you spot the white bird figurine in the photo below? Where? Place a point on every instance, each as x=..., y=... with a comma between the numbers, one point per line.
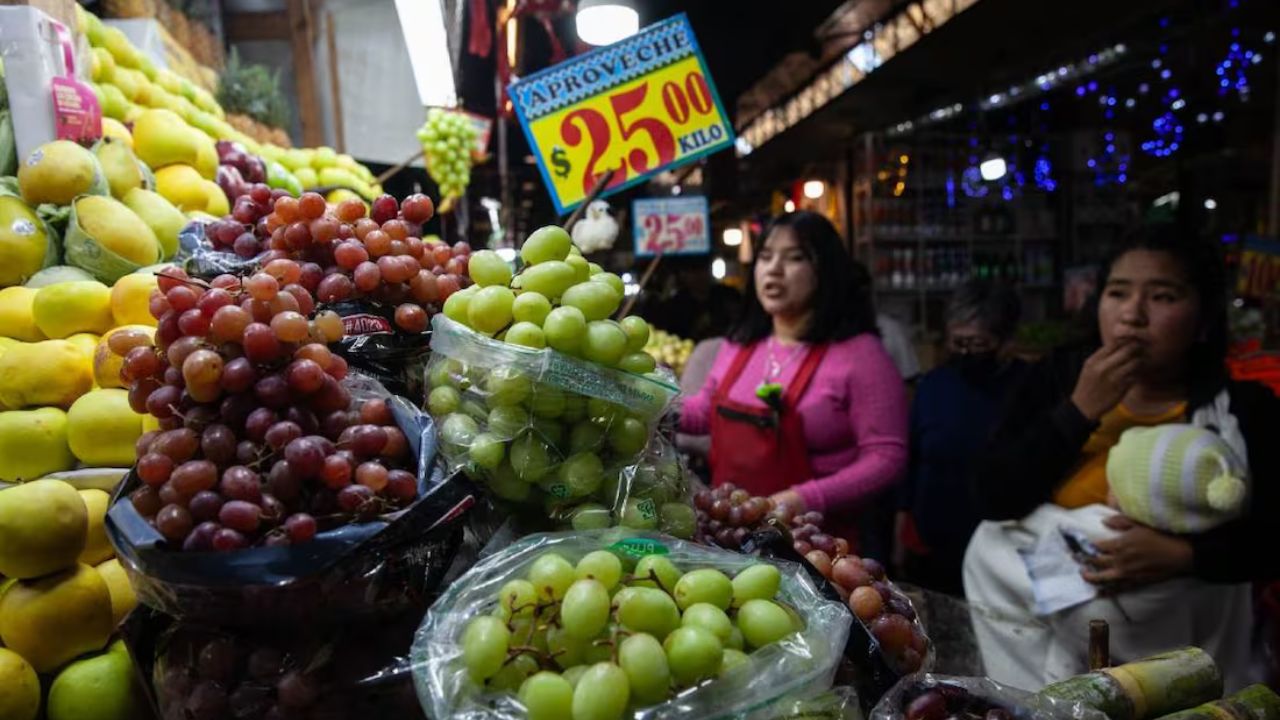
x=596, y=230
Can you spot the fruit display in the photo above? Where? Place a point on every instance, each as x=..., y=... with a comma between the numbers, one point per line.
x=542, y=398
x=346, y=252
x=448, y=139
x=726, y=516
x=62, y=404
x=597, y=625
x=205, y=673
x=669, y=350
x=171, y=116
x=64, y=597
x=258, y=437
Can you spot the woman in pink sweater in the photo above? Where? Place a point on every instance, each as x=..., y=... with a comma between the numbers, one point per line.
x=803, y=403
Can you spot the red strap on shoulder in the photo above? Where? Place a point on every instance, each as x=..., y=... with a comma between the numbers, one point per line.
x=740, y=361
x=804, y=375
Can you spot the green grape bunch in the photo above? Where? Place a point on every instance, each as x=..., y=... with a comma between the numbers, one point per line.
x=592, y=641
x=447, y=141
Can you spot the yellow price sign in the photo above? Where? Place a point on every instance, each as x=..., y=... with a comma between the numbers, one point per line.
x=639, y=106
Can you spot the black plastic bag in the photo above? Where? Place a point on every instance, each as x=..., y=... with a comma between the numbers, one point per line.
x=370, y=569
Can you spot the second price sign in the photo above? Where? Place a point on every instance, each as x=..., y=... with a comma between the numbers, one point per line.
x=639, y=106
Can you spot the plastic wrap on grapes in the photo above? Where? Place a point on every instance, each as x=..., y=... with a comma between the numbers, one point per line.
x=201, y=258
x=196, y=671
x=556, y=437
x=328, y=565
x=374, y=345
x=889, y=640
x=635, y=624
x=923, y=697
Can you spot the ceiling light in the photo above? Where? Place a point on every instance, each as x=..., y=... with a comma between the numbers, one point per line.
x=733, y=237
x=1210, y=204
x=993, y=168
x=604, y=22
x=814, y=189
x=789, y=206
x=717, y=268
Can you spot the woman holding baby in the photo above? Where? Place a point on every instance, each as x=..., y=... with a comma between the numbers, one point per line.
x=1178, y=514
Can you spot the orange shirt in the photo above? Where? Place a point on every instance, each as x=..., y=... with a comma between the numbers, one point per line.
x=1087, y=484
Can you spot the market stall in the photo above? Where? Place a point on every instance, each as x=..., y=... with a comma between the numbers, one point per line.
x=270, y=449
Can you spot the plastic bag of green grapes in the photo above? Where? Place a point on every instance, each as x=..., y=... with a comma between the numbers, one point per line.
x=549, y=433
x=616, y=623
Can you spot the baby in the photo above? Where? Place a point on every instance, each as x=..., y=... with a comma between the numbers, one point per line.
x=1177, y=478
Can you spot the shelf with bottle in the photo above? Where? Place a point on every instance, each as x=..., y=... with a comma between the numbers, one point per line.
x=945, y=268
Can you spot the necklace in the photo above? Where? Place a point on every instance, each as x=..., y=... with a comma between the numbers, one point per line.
x=773, y=367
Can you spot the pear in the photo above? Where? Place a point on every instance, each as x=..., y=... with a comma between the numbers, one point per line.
x=307, y=177
x=114, y=103
x=94, y=30
x=119, y=165
x=104, y=65
x=127, y=80
x=165, y=220
x=162, y=138
x=99, y=687
x=206, y=155
x=114, y=129
x=115, y=41
x=33, y=443
x=169, y=80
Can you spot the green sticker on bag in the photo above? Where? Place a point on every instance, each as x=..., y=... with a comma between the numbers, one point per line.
x=639, y=547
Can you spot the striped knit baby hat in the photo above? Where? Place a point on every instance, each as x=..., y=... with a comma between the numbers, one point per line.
x=1178, y=478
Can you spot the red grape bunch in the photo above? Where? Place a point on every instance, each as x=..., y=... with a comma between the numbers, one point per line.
x=354, y=252
x=727, y=515
x=258, y=436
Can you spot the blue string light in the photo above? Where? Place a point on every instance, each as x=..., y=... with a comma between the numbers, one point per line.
x=1231, y=70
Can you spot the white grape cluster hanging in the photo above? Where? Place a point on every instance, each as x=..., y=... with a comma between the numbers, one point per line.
x=448, y=139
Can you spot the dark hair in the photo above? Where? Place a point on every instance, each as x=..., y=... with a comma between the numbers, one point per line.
x=842, y=305
x=1202, y=264
x=992, y=304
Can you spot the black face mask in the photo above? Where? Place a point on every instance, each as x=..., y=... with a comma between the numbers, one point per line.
x=977, y=367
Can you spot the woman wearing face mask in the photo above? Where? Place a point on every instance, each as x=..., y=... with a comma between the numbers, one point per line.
x=1158, y=357
x=956, y=407
x=803, y=404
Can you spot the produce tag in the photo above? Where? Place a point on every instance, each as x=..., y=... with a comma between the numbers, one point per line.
x=640, y=106
x=672, y=226
x=639, y=547
x=77, y=114
x=76, y=111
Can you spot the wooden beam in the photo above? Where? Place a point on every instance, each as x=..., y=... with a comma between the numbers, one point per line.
x=339, y=134
x=251, y=26
x=300, y=34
